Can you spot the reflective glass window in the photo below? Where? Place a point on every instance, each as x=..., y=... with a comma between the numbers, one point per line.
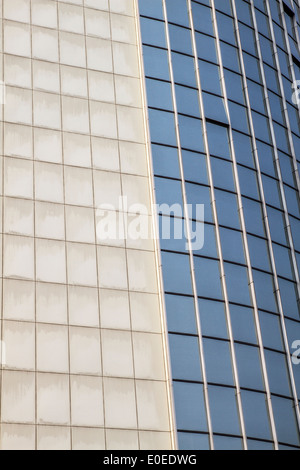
x=218, y=361
x=256, y=415
x=249, y=366
x=176, y=273
x=185, y=360
x=237, y=284
x=243, y=324
x=223, y=407
x=189, y=406
x=208, y=281
x=213, y=318
x=285, y=421
x=277, y=373
x=181, y=314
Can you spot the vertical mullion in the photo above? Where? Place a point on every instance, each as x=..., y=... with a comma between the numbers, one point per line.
x=65, y=223
x=2, y=347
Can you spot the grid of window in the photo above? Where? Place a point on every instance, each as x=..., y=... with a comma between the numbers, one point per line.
x=225, y=133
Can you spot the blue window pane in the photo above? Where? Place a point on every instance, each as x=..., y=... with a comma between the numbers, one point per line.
x=189, y=407
x=181, y=314
x=213, y=319
x=224, y=5
x=230, y=57
x=208, y=278
x=289, y=298
x=193, y=441
x=256, y=415
x=295, y=226
x=165, y=161
x=286, y=165
x=172, y=232
x=206, y=47
x=287, y=448
x=232, y=245
x=177, y=12
x=214, y=107
x=234, y=86
x=226, y=28
x=227, y=209
x=210, y=77
x=197, y=194
x=281, y=138
x=252, y=67
x=223, y=407
x=209, y=247
x=159, y=94
x=218, y=140
x=237, y=284
x=277, y=225
x=218, y=361
x=153, y=32
x=266, y=158
x=239, y=118
x=183, y=69
x=176, y=273
x=259, y=253
x=243, y=324
x=256, y=96
x=267, y=50
x=248, y=182
x=169, y=192
x=264, y=289
x=271, y=191
x=271, y=78
x=278, y=373
x=285, y=421
x=276, y=108
x=180, y=39
x=253, y=217
x=247, y=39
x=271, y=331
x=185, y=360
x=156, y=63
x=202, y=19
x=222, y=174
x=283, y=261
x=292, y=199
x=195, y=167
x=259, y=445
x=249, y=367
x=243, y=149
x=190, y=130
x=227, y=443
x=244, y=13
x=162, y=127
x=187, y=101
x=261, y=127
x=152, y=9
x=262, y=21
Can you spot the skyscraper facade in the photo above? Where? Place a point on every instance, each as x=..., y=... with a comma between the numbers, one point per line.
x=150, y=224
